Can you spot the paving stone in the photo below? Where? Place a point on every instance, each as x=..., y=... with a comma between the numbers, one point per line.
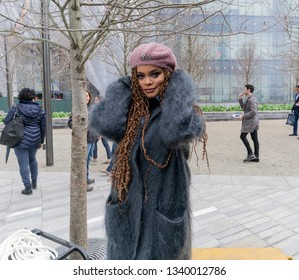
x=283, y=214
x=264, y=226
x=236, y=236
x=250, y=241
x=228, y=232
x=197, y=243
x=245, y=214
x=248, y=219
x=279, y=236
x=290, y=221
x=255, y=222
x=276, y=210
x=271, y=231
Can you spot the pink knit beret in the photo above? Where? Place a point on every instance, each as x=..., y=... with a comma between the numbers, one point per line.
x=153, y=54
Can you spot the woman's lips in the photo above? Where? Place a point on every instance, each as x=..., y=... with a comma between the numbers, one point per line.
x=149, y=90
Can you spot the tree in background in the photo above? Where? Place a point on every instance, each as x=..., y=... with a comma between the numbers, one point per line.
x=248, y=64
x=287, y=17
x=194, y=57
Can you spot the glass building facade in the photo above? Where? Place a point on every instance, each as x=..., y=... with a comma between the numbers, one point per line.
x=257, y=52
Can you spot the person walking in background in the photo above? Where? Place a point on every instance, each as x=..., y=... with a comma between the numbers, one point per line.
x=91, y=139
x=250, y=122
x=108, y=170
x=105, y=143
x=295, y=109
x=34, y=120
x=153, y=118
x=107, y=149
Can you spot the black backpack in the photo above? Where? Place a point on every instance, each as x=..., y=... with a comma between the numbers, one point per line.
x=12, y=133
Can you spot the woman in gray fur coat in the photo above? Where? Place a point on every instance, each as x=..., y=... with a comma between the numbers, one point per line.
x=153, y=118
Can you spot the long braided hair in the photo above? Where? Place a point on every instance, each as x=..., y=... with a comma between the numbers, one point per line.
x=121, y=171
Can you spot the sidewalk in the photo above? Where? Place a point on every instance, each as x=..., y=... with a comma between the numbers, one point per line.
x=236, y=205
x=228, y=211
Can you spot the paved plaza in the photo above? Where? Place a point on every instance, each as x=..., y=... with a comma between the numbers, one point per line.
x=229, y=211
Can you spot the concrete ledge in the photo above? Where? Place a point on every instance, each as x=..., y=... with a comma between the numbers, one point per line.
x=227, y=116
x=209, y=116
x=60, y=123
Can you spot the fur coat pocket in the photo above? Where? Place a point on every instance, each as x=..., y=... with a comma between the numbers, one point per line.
x=171, y=236
x=119, y=231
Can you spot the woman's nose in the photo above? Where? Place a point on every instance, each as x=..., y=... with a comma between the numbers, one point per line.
x=148, y=80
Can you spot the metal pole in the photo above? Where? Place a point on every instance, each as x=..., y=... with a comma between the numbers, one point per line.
x=10, y=100
x=47, y=82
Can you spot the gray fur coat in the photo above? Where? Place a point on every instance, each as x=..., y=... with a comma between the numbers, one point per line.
x=158, y=227
x=250, y=121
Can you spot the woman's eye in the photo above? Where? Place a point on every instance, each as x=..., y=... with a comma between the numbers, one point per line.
x=140, y=76
x=156, y=74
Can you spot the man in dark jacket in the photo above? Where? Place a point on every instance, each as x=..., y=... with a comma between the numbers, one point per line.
x=295, y=108
x=34, y=119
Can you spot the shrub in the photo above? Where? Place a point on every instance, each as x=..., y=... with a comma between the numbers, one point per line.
x=56, y=115
x=233, y=108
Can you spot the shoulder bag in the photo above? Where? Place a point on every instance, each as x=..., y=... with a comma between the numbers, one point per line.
x=12, y=133
x=290, y=119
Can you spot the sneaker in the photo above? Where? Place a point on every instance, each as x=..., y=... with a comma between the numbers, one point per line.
x=27, y=191
x=249, y=158
x=105, y=172
x=89, y=188
x=255, y=160
x=292, y=134
x=90, y=181
x=106, y=161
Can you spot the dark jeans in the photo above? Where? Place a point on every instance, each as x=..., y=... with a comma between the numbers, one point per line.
x=295, y=127
x=107, y=148
x=114, y=147
x=27, y=165
x=90, y=148
x=255, y=140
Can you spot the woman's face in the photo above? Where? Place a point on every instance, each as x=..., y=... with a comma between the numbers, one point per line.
x=87, y=97
x=151, y=80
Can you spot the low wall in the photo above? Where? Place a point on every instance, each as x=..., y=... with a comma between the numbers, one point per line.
x=209, y=116
x=228, y=116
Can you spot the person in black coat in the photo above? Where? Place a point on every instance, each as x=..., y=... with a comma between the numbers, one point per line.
x=295, y=109
x=34, y=119
x=153, y=117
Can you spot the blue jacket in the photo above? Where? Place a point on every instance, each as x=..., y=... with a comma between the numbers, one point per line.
x=34, y=119
x=158, y=227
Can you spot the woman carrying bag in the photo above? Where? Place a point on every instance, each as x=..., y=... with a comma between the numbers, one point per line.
x=34, y=120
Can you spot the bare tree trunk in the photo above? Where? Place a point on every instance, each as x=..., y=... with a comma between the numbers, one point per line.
x=78, y=203
x=10, y=99
x=190, y=54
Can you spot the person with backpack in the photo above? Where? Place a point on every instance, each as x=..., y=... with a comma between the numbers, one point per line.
x=34, y=120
